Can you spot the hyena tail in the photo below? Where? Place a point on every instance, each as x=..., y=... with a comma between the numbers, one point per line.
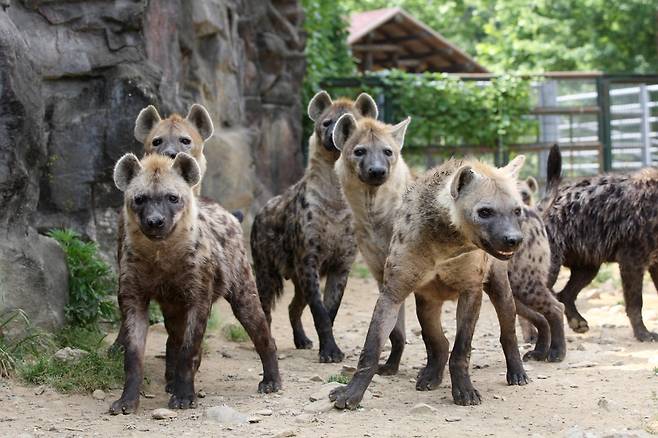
x=268, y=280
x=553, y=177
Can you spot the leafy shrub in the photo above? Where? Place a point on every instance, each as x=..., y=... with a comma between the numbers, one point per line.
x=91, y=281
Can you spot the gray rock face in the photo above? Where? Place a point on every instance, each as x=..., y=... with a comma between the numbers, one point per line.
x=73, y=77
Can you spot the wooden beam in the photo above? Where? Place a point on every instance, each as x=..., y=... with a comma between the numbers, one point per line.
x=401, y=38
x=375, y=48
x=429, y=54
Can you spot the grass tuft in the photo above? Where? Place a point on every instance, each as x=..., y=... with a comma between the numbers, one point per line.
x=359, y=270
x=338, y=378
x=234, y=332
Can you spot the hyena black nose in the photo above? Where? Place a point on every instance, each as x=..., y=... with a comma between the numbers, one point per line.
x=170, y=153
x=155, y=222
x=512, y=241
x=376, y=172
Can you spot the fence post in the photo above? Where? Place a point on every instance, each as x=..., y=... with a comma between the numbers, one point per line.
x=603, y=102
x=549, y=125
x=645, y=127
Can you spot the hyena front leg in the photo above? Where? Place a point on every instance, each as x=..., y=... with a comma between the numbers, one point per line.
x=498, y=288
x=175, y=325
x=135, y=322
x=468, y=312
x=196, y=319
x=309, y=281
x=540, y=352
x=247, y=310
x=653, y=271
x=398, y=338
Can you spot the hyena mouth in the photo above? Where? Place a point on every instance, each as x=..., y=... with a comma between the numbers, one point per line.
x=500, y=255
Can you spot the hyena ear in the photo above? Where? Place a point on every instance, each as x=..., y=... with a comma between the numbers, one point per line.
x=125, y=170
x=187, y=167
x=514, y=166
x=199, y=117
x=366, y=106
x=343, y=129
x=461, y=179
x=398, y=131
x=146, y=120
x=320, y=102
x=532, y=184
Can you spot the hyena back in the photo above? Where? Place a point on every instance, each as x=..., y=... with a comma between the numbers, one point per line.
x=183, y=253
x=306, y=233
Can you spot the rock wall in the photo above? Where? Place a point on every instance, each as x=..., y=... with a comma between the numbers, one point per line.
x=74, y=75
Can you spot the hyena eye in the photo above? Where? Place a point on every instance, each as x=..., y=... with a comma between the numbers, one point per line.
x=139, y=199
x=517, y=211
x=485, y=213
x=185, y=141
x=388, y=152
x=173, y=199
x=326, y=123
x=156, y=142
x=359, y=152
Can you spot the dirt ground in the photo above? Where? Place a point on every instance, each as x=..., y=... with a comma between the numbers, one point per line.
x=607, y=384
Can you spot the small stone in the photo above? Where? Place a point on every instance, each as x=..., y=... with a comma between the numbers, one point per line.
x=453, y=419
x=98, y=394
x=264, y=412
x=163, y=414
x=378, y=379
x=498, y=397
x=573, y=386
x=69, y=355
x=254, y=420
x=282, y=356
x=323, y=392
x=201, y=393
x=316, y=378
x=148, y=395
x=603, y=403
x=423, y=409
x=618, y=363
x=542, y=376
x=417, y=331
x=285, y=433
x=580, y=347
x=652, y=427
x=318, y=407
x=583, y=364
x=225, y=415
x=39, y=390
x=226, y=355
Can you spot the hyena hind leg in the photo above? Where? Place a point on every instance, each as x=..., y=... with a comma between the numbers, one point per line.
x=295, y=310
x=540, y=352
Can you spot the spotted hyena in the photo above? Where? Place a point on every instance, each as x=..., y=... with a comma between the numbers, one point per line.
x=601, y=219
x=306, y=233
x=461, y=222
x=183, y=253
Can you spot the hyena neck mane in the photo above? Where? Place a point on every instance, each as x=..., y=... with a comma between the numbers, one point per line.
x=320, y=173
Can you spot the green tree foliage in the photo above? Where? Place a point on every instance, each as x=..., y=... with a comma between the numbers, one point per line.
x=542, y=35
x=445, y=109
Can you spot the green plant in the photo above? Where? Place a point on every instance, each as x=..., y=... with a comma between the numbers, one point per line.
x=29, y=341
x=446, y=110
x=91, y=281
x=155, y=313
x=359, y=270
x=214, y=320
x=339, y=378
x=98, y=369
x=234, y=332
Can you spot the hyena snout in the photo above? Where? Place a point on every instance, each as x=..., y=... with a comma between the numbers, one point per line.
x=155, y=221
x=170, y=152
x=377, y=172
x=512, y=241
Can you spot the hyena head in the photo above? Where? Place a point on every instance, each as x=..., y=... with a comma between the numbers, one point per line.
x=487, y=206
x=369, y=149
x=157, y=191
x=175, y=134
x=325, y=113
x=527, y=189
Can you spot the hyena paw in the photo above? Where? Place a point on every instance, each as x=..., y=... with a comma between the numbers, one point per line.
x=517, y=377
x=428, y=379
x=646, y=336
x=578, y=325
x=346, y=397
x=267, y=386
x=303, y=343
x=124, y=407
x=466, y=395
x=183, y=401
x=535, y=355
x=331, y=355
x=387, y=369
x=556, y=354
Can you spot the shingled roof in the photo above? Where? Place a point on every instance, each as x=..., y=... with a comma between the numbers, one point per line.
x=392, y=38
